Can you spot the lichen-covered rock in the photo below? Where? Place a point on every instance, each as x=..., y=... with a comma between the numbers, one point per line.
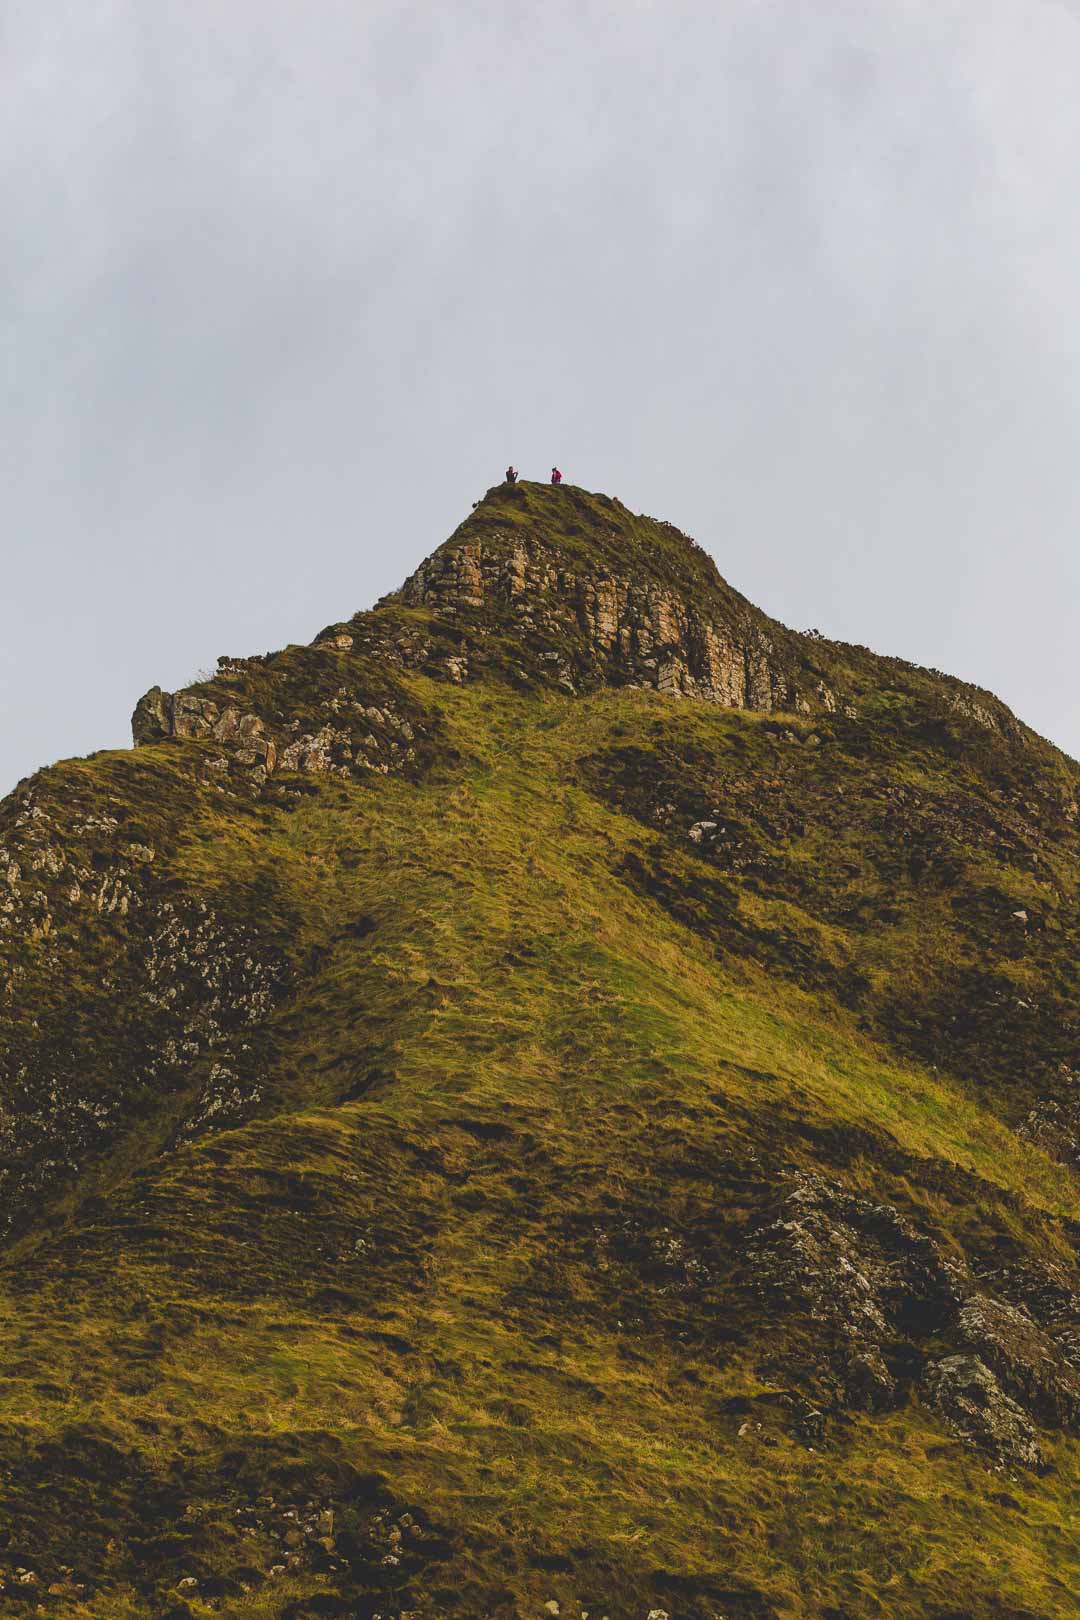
x=970, y=1399
x=184, y=996
x=885, y=1295
x=860, y=1272
x=172, y=986
x=153, y=717
x=1027, y=1362
x=992, y=716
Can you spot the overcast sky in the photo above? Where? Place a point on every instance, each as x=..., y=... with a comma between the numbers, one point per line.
x=285, y=283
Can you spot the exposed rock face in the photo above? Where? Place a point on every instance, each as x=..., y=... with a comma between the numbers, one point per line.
x=576, y=628
x=346, y=736
x=1025, y=1359
x=186, y=714
x=631, y=631
x=992, y=717
x=193, y=990
x=969, y=1397
x=881, y=1295
x=817, y=1257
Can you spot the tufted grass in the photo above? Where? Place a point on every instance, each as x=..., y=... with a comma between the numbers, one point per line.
x=499, y=1041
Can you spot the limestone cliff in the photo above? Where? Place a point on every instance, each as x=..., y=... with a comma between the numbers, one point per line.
x=622, y=628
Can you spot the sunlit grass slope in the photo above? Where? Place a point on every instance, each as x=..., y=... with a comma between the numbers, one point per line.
x=479, y=1256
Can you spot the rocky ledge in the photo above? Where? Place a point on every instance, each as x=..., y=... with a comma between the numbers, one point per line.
x=603, y=626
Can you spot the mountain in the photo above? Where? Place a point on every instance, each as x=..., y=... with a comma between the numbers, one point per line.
x=560, y=1097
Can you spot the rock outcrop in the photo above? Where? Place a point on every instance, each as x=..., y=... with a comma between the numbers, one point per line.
x=563, y=624
x=180, y=998
x=1054, y=1122
x=347, y=728
x=969, y=1397
x=633, y=632
x=883, y=1300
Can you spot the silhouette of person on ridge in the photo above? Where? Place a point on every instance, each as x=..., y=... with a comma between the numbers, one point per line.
x=556, y=476
x=511, y=475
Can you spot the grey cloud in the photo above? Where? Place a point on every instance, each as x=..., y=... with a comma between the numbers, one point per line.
x=284, y=286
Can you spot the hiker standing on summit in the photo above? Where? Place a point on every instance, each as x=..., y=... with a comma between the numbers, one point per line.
x=556, y=476
x=511, y=475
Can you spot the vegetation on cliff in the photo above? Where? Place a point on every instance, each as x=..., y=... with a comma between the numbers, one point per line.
x=490, y=1123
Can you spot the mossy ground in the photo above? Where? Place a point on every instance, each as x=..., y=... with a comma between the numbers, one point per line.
x=532, y=1037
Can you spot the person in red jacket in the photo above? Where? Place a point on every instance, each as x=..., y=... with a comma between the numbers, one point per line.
x=556, y=476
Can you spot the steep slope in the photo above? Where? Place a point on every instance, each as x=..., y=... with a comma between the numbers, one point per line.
x=561, y=1092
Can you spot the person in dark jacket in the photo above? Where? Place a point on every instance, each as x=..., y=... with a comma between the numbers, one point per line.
x=556, y=476
x=511, y=475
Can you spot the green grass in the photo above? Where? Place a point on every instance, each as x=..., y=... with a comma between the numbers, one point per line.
x=495, y=1045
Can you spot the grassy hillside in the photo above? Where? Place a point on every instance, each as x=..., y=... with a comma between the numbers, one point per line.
x=617, y=1159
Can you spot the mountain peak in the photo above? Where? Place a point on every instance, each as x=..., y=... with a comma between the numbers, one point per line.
x=558, y=1053
x=550, y=588
x=586, y=533
x=610, y=598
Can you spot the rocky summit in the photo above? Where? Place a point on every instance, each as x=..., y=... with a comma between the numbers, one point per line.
x=559, y=1098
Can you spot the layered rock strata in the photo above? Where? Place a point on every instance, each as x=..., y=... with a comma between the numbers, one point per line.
x=629, y=631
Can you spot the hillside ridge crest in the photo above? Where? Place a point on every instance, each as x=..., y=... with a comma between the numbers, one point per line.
x=550, y=588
